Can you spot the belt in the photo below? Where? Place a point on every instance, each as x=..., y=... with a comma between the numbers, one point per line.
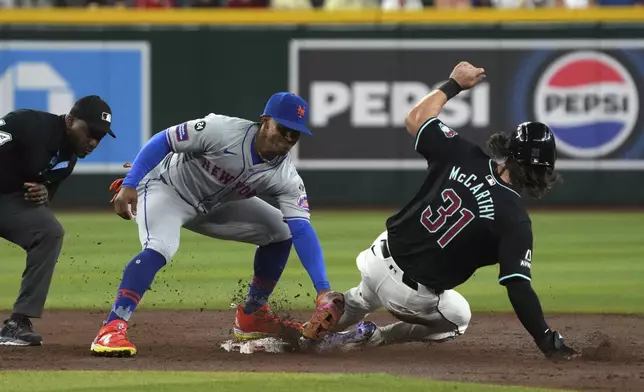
x=384, y=249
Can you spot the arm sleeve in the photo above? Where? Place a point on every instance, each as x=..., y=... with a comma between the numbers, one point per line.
x=527, y=308
x=148, y=158
x=437, y=142
x=515, y=253
x=200, y=135
x=515, y=259
x=309, y=250
x=293, y=203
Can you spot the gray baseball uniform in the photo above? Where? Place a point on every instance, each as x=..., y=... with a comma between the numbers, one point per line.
x=209, y=185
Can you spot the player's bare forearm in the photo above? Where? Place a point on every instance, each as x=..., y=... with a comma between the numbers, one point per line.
x=430, y=106
x=463, y=77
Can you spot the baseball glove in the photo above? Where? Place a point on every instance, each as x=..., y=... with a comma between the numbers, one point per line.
x=329, y=309
x=115, y=186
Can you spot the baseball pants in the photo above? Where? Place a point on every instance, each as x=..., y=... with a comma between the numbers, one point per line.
x=36, y=230
x=161, y=213
x=423, y=314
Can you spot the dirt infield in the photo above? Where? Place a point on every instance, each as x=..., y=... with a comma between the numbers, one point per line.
x=495, y=350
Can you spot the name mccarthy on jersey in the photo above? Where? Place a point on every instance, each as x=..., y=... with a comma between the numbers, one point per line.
x=472, y=182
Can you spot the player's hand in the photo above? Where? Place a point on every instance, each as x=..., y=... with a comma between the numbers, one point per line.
x=115, y=186
x=36, y=193
x=467, y=75
x=124, y=202
x=554, y=347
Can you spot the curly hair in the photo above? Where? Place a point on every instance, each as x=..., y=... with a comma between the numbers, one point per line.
x=535, y=180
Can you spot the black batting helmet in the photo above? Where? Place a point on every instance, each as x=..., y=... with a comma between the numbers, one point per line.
x=533, y=144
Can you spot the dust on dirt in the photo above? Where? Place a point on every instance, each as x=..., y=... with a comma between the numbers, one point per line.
x=280, y=301
x=600, y=347
x=495, y=349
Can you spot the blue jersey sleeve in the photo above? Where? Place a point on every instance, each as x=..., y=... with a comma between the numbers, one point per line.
x=148, y=158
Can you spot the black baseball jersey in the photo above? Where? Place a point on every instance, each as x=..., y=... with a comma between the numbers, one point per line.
x=463, y=217
x=33, y=148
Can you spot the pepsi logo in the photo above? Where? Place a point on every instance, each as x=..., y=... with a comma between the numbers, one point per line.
x=590, y=101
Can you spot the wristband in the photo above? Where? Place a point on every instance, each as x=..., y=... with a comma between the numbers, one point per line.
x=450, y=88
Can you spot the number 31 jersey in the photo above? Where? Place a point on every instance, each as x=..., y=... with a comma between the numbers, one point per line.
x=463, y=217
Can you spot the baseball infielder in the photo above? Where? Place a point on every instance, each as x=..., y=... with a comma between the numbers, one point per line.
x=467, y=214
x=206, y=175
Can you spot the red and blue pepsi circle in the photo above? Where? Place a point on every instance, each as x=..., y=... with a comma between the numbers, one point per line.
x=590, y=101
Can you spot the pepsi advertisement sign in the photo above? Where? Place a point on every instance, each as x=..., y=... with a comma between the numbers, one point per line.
x=588, y=91
x=590, y=100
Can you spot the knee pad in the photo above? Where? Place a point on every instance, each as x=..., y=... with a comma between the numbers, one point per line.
x=455, y=308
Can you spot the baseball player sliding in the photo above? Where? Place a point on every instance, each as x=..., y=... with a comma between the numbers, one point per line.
x=467, y=214
x=205, y=175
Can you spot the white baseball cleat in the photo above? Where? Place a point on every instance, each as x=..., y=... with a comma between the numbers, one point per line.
x=358, y=336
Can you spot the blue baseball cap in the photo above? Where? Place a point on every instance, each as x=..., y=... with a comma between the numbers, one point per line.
x=289, y=110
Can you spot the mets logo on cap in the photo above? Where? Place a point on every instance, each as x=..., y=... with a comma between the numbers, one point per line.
x=590, y=101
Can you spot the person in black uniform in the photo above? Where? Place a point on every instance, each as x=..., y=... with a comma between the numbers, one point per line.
x=467, y=214
x=38, y=150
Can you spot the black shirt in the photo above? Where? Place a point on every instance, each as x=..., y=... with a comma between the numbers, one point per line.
x=33, y=148
x=463, y=217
